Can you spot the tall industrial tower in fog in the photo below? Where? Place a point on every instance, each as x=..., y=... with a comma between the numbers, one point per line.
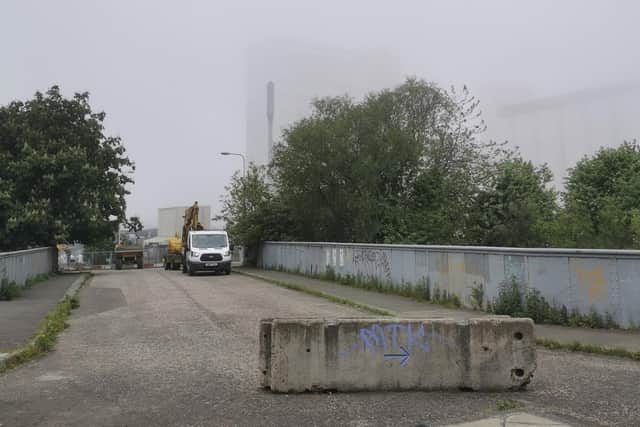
x=302, y=72
x=270, y=107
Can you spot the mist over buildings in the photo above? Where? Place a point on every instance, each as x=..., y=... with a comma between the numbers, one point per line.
x=302, y=72
x=183, y=81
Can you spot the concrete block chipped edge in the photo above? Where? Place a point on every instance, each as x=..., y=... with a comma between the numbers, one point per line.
x=359, y=354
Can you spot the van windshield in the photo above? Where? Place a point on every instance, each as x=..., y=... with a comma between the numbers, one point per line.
x=203, y=241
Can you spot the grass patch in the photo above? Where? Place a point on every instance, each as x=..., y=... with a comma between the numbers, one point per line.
x=38, y=278
x=508, y=405
x=515, y=299
x=588, y=348
x=477, y=296
x=421, y=291
x=47, y=335
x=9, y=290
x=315, y=293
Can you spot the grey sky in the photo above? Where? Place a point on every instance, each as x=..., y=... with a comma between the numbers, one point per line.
x=172, y=76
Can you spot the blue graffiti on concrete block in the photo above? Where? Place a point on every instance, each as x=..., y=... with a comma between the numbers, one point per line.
x=403, y=356
x=395, y=336
x=375, y=337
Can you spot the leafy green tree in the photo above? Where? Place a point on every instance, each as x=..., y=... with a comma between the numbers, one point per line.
x=313, y=172
x=402, y=166
x=61, y=178
x=516, y=208
x=134, y=225
x=399, y=166
x=602, y=200
x=253, y=213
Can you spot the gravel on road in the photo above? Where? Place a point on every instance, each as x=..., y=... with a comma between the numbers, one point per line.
x=155, y=347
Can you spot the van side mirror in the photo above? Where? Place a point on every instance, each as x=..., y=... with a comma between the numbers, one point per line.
x=231, y=247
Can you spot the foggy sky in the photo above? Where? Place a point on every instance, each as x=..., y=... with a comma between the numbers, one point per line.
x=172, y=76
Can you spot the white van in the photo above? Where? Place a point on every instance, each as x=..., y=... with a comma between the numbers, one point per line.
x=207, y=251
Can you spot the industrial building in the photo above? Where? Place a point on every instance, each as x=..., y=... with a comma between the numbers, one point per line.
x=171, y=220
x=559, y=130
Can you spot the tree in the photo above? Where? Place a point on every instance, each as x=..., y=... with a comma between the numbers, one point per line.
x=253, y=213
x=134, y=225
x=312, y=172
x=516, y=208
x=399, y=166
x=602, y=200
x=61, y=178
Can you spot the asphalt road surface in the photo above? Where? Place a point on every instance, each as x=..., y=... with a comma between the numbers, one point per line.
x=155, y=347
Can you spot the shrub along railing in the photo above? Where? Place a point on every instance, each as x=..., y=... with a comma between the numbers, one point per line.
x=596, y=288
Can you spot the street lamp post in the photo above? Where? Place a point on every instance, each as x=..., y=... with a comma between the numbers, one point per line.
x=244, y=174
x=244, y=171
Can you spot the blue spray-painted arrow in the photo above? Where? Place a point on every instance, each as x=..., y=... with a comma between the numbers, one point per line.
x=404, y=356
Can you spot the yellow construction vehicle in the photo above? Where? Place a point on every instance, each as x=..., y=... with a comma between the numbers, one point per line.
x=173, y=259
x=176, y=244
x=191, y=222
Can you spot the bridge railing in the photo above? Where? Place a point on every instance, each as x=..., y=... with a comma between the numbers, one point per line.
x=582, y=279
x=18, y=266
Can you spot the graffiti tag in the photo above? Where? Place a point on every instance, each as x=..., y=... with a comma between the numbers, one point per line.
x=593, y=281
x=395, y=341
x=372, y=263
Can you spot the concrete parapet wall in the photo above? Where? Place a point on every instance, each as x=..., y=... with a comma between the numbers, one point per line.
x=18, y=266
x=605, y=280
x=298, y=355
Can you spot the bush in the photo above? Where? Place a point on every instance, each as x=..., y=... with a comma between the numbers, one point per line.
x=513, y=301
x=536, y=307
x=455, y=301
x=442, y=297
x=32, y=280
x=594, y=319
x=564, y=315
x=609, y=323
x=74, y=302
x=330, y=273
x=8, y=290
x=420, y=290
x=477, y=297
x=509, y=301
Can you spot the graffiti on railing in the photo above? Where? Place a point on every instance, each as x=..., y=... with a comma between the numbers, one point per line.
x=372, y=263
x=593, y=281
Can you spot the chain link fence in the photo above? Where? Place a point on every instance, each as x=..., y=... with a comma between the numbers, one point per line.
x=81, y=259
x=77, y=258
x=154, y=255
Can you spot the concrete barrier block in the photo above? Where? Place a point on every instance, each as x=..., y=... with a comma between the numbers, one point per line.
x=299, y=355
